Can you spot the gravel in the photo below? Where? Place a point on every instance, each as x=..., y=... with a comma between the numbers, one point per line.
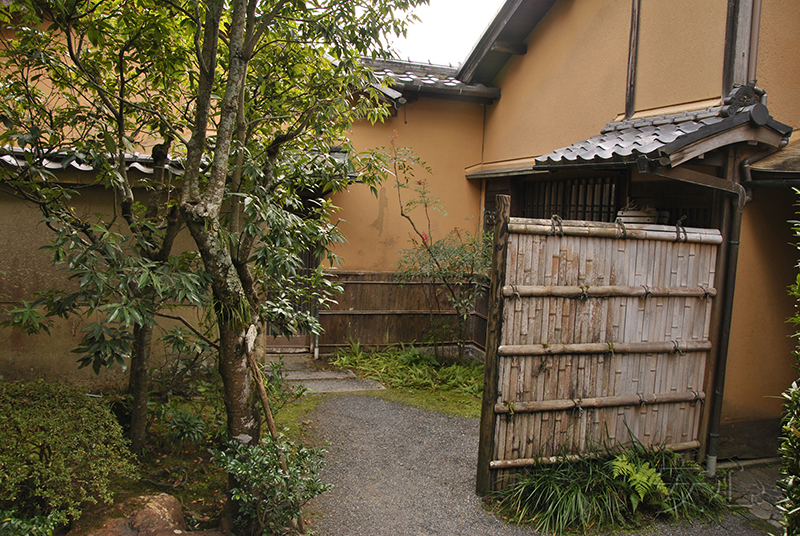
x=398, y=470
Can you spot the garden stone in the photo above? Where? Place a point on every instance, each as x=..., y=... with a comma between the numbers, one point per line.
x=161, y=516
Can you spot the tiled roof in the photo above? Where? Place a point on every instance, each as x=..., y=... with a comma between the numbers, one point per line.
x=427, y=78
x=144, y=163
x=657, y=137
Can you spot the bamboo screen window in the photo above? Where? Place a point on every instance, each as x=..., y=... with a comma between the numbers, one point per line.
x=589, y=199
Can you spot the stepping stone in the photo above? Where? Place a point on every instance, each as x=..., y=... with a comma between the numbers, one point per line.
x=339, y=386
x=300, y=375
x=300, y=370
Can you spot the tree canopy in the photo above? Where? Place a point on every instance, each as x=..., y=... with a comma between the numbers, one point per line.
x=244, y=101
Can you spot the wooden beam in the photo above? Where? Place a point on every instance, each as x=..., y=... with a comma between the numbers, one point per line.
x=486, y=446
x=519, y=49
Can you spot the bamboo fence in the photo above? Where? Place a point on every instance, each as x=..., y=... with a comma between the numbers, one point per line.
x=597, y=332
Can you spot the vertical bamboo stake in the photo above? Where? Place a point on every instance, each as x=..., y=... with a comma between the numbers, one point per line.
x=493, y=333
x=262, y=394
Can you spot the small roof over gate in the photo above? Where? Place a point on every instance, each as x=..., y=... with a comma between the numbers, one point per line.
x=670, y=140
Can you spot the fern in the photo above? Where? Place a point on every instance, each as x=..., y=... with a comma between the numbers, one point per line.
x=642, y=481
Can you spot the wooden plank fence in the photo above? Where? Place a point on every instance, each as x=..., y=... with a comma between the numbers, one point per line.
x=596, y=332
x=378, y=310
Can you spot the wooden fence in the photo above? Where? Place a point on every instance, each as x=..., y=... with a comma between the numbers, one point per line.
x=378, y=310
x=597, y=331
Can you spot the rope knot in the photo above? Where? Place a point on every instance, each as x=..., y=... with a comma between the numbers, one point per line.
x=555, y=219
x=678, y=228
x=622, y=231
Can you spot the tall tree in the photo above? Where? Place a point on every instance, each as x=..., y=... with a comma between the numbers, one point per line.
x=250, y=94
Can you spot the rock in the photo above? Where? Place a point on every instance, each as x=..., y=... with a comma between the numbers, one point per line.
x=161, y=516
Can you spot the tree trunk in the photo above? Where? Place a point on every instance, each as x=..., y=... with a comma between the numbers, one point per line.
x=139, y=385
x=244, y=419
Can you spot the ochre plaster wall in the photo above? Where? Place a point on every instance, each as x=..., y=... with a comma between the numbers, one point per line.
x=26, y=268
x=681, y=52
x=445, y=134
x=778, y=70
x=760, y=358
x=569, y=84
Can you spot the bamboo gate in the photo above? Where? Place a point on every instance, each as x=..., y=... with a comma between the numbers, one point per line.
x=597, y=332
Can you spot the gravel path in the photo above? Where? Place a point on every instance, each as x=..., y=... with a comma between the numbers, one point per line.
x=398, y=470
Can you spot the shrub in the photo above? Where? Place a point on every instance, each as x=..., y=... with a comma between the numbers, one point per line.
x=60, y=450
x=269, y=498
x=790, y=452
x=611, y=490
x=790, y=442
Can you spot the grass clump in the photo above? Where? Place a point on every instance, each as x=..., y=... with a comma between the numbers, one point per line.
x=408, y=368
x=619, y=489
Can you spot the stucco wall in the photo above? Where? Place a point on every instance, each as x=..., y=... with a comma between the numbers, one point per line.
x=778, y=70
x=569, y=84
x=681, y=52
x=443, y=133
x=26, y=268
x=760, y=358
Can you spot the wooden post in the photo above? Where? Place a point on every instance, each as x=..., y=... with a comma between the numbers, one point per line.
x=493, y=339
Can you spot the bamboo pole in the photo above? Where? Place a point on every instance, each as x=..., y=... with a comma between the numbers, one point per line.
x=611, y=230
x=605, y=347
x=549, y=460
x=598, y=402
x=606, y=291
x=262, y=394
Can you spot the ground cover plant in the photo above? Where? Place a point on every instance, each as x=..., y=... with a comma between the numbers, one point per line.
x=621, y=488
x=418, y=378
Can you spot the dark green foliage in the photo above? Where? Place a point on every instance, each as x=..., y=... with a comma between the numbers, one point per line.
x=790, y=442
x=407, y=367
x=790, y=452
x=270, y=498
x=60, y=450
x=617, y=489
x=10, y=525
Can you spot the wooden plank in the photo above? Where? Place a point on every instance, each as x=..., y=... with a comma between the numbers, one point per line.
x=487, y=425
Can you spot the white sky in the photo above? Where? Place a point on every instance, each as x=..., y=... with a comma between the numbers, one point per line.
x=447, y=30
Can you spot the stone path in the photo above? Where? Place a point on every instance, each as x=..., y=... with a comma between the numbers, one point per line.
x=752, y=485
x=300, y=370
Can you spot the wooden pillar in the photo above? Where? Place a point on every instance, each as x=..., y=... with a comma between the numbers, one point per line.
x=493, y=334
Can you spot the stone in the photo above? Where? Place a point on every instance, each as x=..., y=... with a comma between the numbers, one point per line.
x=161, y=515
